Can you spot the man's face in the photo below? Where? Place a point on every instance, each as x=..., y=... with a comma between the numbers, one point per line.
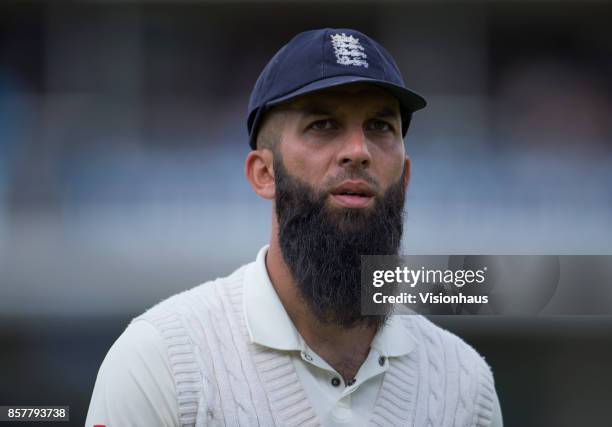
x=340, y=180
x=345, y=142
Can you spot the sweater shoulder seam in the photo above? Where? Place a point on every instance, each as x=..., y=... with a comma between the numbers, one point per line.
x=183, y=364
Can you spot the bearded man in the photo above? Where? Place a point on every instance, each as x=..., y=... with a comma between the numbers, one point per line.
x=282, y=341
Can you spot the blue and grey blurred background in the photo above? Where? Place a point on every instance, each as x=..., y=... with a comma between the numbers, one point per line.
x=123, y=137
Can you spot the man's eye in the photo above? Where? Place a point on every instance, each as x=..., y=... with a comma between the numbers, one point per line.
x=380, y=126
x=322, y=125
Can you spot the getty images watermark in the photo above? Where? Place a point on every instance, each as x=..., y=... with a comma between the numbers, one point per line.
x=412, y=278
x=487, y=284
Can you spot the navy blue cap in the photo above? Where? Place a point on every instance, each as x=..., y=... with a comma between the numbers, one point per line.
x=324, y=58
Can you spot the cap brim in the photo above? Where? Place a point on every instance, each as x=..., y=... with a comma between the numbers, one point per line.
x=410, y=101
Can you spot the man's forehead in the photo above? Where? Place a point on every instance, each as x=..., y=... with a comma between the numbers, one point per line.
x=366, y=95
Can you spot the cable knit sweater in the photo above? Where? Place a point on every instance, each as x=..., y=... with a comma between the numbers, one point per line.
x=221, y=378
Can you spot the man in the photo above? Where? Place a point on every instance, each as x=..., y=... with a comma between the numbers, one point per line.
x=282, y=341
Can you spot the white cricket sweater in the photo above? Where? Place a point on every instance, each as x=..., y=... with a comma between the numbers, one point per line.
x=221, y=378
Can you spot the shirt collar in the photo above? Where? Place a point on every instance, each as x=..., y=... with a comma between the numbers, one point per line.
x=394, y=339
x=266, y=319
x=269, y=324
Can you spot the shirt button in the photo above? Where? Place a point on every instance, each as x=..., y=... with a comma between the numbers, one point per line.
x=381, y=360
x=335, y=381
x=307, y=356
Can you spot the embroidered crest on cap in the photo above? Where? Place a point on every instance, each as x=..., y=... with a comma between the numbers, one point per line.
x=348, y=50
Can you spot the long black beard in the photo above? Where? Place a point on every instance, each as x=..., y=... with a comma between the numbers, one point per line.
x=322, y=245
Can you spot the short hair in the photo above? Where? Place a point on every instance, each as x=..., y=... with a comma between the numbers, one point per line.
x=270, y=130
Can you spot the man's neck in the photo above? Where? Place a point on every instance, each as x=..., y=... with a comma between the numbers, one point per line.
x=344, y=349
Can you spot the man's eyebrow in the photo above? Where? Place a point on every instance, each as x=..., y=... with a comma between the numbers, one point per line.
x=386, y=112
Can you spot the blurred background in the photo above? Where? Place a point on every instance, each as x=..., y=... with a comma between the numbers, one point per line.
x=123, y=137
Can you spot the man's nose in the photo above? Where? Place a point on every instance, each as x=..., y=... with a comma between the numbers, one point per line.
x=354, y=151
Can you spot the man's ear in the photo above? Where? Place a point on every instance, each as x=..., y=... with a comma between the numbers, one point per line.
x=406, y=172
x=259, y=170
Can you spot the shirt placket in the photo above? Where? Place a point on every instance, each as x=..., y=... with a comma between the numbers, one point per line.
x=341, y=412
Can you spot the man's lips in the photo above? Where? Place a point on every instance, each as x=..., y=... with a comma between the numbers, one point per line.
x=348, y=201
x=352, y=194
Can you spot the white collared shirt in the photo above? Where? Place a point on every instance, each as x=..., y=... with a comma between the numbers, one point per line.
x=335, y=403
x=135, y=384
